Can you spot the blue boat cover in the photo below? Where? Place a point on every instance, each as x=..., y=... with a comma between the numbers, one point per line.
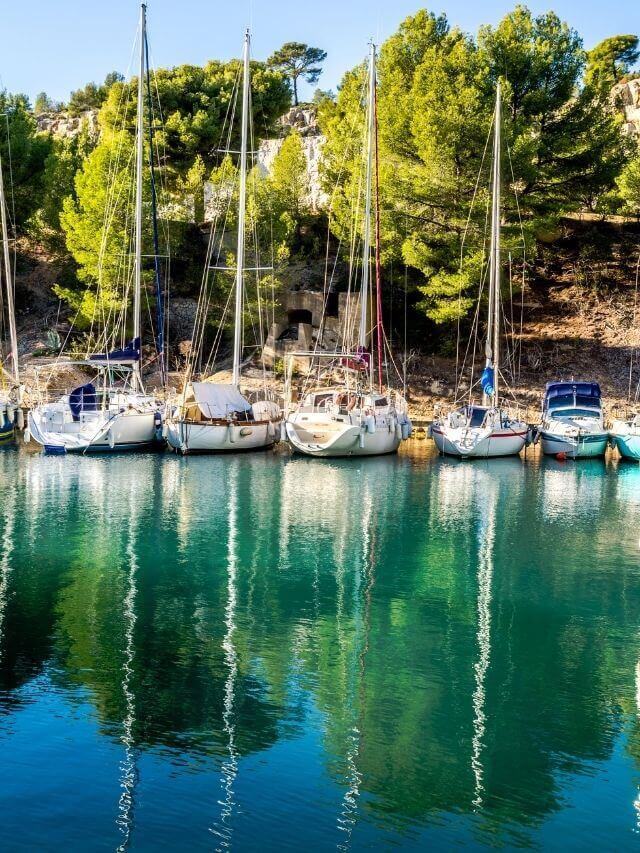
x=83, y=399
x=486, y=380
x=127, y=355
x=560, y=394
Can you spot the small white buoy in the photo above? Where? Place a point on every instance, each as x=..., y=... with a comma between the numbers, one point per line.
x=20, y=419
x=27, y=435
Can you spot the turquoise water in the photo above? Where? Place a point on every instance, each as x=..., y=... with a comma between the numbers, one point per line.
x=283, y=653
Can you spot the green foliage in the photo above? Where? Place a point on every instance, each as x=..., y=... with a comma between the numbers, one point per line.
x=64, y=160
x=195, y=104
x=289, y=176
x=97, y=224
x=23, y=152
x=92, y=96
x=610, y=61
x=629, y=186
x=44, y=104
x=295, y=59
x=436, y=100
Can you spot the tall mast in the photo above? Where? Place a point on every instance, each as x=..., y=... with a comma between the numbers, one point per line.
x=377, y=249
x=237, y=326
x=366, y=254
x=8, y=278
x=493, y=325
x=137, y=301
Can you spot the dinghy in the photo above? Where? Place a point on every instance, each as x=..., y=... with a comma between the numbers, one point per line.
x=213, y=416
x=112, y=412
x=358, y=416
x=489, y=429
x=573, y=420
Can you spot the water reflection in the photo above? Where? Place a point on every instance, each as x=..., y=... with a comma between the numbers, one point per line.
x=357, y=653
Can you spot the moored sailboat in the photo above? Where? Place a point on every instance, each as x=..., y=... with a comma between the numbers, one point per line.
x=489, y=429
x=358, y=417
x=215, y=416
x=111, y=412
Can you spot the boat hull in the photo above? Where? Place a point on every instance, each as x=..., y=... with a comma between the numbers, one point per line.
x=6, y=429
x=494, y=444
x=352, y=440
x=628, y=445
x=127, y=431
x=588, y=446
x=190, y=437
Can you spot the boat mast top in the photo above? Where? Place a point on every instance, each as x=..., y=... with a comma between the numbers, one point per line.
x=493, y=324
x=137, y=292
x=366, y=253
x=8, y=279
x=242, y=204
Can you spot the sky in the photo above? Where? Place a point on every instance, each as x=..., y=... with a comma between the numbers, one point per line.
x=59, y=45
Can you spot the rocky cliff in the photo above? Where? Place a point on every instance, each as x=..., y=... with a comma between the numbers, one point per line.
x=627, y=96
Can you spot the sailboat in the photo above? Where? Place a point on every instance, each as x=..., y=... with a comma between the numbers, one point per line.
x=489, y=429
x=354, y=418
x=625, y=432
x=10, y=390
x=111, y=412
x=215, y=416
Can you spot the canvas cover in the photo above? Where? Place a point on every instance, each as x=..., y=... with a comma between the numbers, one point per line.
x=218, y=401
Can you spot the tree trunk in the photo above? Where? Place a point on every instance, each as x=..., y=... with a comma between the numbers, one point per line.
x=295, y=90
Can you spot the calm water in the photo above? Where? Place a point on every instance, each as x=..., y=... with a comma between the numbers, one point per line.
x=260, y=651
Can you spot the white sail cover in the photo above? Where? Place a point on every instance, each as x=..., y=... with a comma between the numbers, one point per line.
x=218, y=401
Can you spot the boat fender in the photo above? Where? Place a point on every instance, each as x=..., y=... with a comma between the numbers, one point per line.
x=232, y=435
x=398, y=431
x=27, y=435
x=406, y=430
x=112, y=440
x=370, y=422
x=11, y=414
x=157, y=425
x=165, y=430
x=283, y=431
x=20, y=419
x=361, y=440
x=245, y=431
x=271, y=430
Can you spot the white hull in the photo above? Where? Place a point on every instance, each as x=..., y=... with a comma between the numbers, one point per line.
x=189, y=437
x=584, y=446
x=108, y=433
x=470, y=442
x=326, y=439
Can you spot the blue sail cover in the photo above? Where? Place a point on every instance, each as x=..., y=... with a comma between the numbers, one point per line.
x=560, y=395
x=83, y=399
x=486, y=380
x=129, y=354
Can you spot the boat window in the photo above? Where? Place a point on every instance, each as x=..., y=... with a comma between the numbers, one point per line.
x=574, y=413
x=321, y=400
x=381, y=401
x=476, y=417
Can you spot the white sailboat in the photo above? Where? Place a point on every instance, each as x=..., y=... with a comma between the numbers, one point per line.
x=112, y=412
x=353, y=418
x=489, y=429
x=215, y=416
x=10, y=389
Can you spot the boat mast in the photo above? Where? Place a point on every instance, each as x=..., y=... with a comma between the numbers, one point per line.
x=493, y=325
x=377, y=249
x=8, y=278
x=237, y=327
x=139, y=166
x=366, y=254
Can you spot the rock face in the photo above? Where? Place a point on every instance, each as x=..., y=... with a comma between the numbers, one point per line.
x=627, y=95
x=65, y=126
